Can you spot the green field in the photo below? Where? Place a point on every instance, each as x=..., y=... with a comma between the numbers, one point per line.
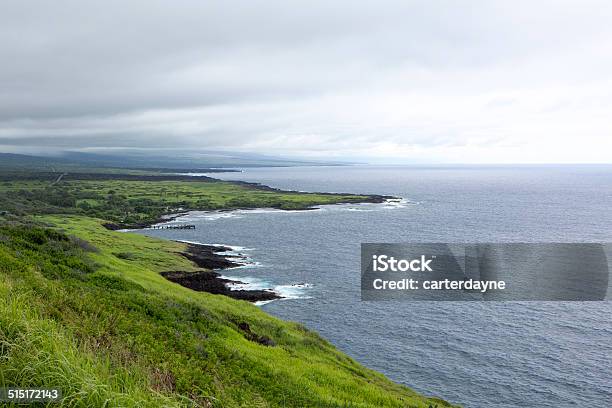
x=85, y=309
x=130, y=202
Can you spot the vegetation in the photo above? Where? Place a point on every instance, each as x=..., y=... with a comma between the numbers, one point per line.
x=85, y=309
x=109, y=330
x=138, y=200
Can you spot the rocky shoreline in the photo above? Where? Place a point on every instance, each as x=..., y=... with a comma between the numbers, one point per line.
x=212, y=258
x=366, y=198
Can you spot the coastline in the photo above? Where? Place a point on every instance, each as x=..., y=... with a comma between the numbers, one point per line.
x=178, y=212
x=130, y=276
x=369, y=198
x=212, y=257
x=215, y=258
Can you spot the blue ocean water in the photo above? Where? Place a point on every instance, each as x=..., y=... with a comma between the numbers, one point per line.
x=478, y=354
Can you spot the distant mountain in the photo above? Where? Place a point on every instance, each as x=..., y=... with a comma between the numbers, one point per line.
x=136, y=160
x=22, y=161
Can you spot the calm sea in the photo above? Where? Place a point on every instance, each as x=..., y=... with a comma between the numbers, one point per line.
x=536, y=354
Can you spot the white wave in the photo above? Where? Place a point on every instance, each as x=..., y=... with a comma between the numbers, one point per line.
x=233, y=248
x=257, y=210
x=263, y=302
x=248, y=283
x=193, y=216
x=235, y=253
x=245, y=263
x=392, y=204
x=272, y=211
x=292, y=291
x=240, y=248
x=295, y=291
x=208, y=215
x=358, y=209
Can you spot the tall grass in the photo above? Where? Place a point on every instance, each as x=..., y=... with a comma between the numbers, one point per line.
x=37, y=352
x=111, y=331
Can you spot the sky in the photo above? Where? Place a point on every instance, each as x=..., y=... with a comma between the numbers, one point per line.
x=380, y=81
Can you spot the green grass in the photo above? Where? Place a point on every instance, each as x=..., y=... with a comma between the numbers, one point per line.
x=132, y=202
x=110, y=331
x=85, y=309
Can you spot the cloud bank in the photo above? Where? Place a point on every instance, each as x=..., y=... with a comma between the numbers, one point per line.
x=401, y=81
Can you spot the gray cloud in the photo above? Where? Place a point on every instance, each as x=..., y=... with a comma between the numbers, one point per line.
x=458, y=81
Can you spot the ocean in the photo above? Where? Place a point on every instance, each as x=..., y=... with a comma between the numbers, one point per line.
x=478, y=354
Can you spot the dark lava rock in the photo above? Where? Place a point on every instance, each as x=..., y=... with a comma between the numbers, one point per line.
x=207, y=256
x=249, y=335
x=212, y=282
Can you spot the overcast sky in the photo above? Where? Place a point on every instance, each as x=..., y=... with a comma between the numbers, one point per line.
x=427, y=81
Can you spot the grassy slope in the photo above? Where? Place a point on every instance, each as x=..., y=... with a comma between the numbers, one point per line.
x=112, y=330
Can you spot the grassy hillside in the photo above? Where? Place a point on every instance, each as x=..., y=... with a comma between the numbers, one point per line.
x=106, y=328
x=85, y=309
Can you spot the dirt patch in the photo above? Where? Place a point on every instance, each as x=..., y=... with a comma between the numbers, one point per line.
x=163, y=381
x=250, y=335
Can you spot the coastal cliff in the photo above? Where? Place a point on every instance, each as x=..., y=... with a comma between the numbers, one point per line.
x=128, y=320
